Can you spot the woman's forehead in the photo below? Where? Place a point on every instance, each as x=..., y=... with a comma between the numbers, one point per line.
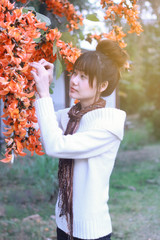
x=80, y=71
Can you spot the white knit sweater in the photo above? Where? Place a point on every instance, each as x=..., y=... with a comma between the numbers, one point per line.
x=93, y=147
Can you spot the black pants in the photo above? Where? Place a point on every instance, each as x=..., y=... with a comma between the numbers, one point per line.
x=61, y=235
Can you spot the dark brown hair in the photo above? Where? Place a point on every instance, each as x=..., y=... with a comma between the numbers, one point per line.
x=104, y=64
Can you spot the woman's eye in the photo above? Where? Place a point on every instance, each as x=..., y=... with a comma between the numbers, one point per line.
x=74, y=73
x=83, y=76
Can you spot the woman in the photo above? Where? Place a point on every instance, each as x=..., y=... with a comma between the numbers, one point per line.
x=85, y=137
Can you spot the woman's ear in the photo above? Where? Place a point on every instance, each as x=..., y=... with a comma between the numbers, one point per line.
x=104, y=86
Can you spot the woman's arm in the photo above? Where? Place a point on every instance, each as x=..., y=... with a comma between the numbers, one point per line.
x=43, y=75
x=79, y=145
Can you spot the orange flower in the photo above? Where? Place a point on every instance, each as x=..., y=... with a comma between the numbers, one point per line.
x=18, y=47
x=7, y=159
x=53, y=34
x=76, y=101
x=64, y=8
x=114, y=11
x=19, y=147
x=9, y=131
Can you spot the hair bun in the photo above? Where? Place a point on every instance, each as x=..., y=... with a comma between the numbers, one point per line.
x=112, y=49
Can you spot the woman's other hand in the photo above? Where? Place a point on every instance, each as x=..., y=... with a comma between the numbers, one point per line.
x=43, y=75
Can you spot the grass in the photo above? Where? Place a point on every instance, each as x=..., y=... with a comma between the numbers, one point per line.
x=26, y=207
x=26, y=188
x=134, y=194
x=137, y=135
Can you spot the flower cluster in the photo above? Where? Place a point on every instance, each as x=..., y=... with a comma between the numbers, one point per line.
x=68, y=53
x=122, y=10
x=63, y=8
x=116, y=35
x=24, y=39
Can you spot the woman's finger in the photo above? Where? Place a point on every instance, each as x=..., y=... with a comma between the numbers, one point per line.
x=39, y=67
x=36, y=78
x=49, y=67
x=42, y=61
x=46, y=64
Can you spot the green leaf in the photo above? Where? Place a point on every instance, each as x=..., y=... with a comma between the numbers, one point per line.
x=81, y=35
x=67, y=37
x=50, y=90
x=27, y=9
x=52, y=85
x=43, y=18
x=92, y=17
x=55, y=48
x=37, y=40
x=39, y=16
x=59, y=68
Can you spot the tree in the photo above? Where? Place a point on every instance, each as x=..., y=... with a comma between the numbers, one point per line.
x=24, y=39
x=152, y=6
x=142, y=84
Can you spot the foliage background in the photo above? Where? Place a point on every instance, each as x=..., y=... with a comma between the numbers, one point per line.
x=142, y=83
x=140, y=86
x=26, y=187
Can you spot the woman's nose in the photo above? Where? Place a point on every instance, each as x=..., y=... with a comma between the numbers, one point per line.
x=75, y=80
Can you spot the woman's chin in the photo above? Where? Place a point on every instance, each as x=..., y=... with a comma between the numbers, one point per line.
x=72, y=95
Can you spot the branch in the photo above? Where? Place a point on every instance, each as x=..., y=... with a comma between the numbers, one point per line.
x=27, y=3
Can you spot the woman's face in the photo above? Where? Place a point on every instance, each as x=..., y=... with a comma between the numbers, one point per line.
x=81, y=90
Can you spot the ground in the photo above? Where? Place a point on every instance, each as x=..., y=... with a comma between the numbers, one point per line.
x=135, y=191
x=27, y=208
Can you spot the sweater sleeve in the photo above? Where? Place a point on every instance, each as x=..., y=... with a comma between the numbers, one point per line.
x=79, y=145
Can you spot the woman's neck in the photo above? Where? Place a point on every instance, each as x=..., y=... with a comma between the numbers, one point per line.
x=85, y=104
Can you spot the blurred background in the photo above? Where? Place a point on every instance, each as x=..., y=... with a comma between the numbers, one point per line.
x=28, y=188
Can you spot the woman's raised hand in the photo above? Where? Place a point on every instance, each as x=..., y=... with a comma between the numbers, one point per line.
x=43, y=75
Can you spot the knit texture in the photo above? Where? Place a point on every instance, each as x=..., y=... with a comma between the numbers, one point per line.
x=65, y=170
x=93, y=147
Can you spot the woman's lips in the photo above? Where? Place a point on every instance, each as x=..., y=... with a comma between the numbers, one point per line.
x=73, y=90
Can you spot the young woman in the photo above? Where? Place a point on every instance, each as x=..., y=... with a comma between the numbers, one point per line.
x=85, y=138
